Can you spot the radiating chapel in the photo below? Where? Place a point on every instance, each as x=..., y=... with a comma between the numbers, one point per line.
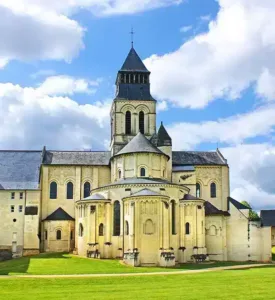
x=140, y=201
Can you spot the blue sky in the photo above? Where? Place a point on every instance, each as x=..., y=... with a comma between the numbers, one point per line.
x=213, y=74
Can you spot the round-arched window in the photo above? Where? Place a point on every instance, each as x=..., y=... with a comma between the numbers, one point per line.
x=142, y=172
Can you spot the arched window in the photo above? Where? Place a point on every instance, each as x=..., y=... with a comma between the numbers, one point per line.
x=126, y=228
x=53, y=190
x=198, y=190
x=46, y=235
x=119, y=174
x=141, y=122
x=72, y=235
x=213, y=190
x=87, y=189
x=187, y=228
x=142, y=172
x=80, y=230
x=70, y=190
x=173, y=216
x=116, y=219
x=149, y=227
x=58, y=234
x=128, y=122
x=212, y=230
x=101, y=230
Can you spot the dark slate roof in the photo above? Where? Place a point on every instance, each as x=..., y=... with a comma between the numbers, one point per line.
x=146, y=192
x=211, y=210
x=134, y=91
x=59, y=215
x=190, y=197
x=183, y=169
x=140, y=144
x=19, y=170
x=197, y=158
x=133, y=62
x=268, y=217
x=237, y=204
x=95, y=197
x=163, y=137
x=89, y=158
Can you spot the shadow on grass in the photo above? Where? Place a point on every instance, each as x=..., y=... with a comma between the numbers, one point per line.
x=21, y=265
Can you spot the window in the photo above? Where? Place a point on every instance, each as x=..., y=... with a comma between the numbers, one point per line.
x=58, y=234
x=21, y=195
x=53, y=190
x=187, y=228
x=87, y=189
x=126, y=228
x=119, y=174
x=128, y=122
x=46, y=235
x=80, y=230
x=20, y=209
x=101, y=230
x=213, y=190
x=142, y=172
x=12, y=208
x=116, y=219
x=173, y=215
x=198, y=190
x=12, y=195
x=149, y=227
x=72, y=235
x=141, y=122
x=70, y=190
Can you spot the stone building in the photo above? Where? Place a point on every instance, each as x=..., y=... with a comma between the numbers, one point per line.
x=140, y=201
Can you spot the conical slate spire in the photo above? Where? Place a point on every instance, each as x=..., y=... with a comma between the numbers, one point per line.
x=133, y=63
x=163, y=137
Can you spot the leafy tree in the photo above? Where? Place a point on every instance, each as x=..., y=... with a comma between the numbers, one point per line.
x=253, y=216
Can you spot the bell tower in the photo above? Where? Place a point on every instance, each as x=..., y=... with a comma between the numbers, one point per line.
x=133, y=109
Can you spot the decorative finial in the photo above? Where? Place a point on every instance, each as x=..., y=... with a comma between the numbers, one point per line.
x=132, y=37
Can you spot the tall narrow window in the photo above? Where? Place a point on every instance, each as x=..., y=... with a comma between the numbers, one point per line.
x=87, y=189
x=116, y=218
x=187, y=228
x=101, y=230
x=198, y=190
x=70, y=190
x=58, y=234
x=12, y=195
x=126, y=228
x=53, y=190
x=21, y=195
x=128, y=122
x=213, y=190
x=46, y=235
x=142, y=172
x=80, y=230
x=12, y=208
x=119, y=174
x=141, y=122
x=173, y=216
x=72, y=235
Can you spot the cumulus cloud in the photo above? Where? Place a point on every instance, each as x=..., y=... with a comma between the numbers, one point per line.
x=30, y=119
x=223, y=62
x=185, y=29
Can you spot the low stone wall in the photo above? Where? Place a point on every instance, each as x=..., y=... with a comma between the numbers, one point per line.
x=5, y=254
x=30, y=252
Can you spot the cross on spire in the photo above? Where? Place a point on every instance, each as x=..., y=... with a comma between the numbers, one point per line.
x=132, y=37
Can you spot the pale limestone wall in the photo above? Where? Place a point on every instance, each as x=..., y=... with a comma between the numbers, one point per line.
x=118, y=111
x=21, y=234
x=273, y=236
x=168, y=169
x=52, y=244
x=188, y=179
x=215, y=235
x=130, y=165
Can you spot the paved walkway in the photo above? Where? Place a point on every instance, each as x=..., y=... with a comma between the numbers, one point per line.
x=182, y=272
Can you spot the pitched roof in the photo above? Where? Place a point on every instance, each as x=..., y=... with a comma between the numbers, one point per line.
x=237, y=204
x=133, y=62
x=59, y=215
x=96, y=158
x=197, y=158
x=95, y=197
x=268, y=217
x=163, y=137
x=19, y=170
x=190, y=197
x=140, y=144
x=211, y=210
x=146, y=192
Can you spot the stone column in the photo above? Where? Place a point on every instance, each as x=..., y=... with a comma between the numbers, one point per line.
x=165, y=227
x=132, y=225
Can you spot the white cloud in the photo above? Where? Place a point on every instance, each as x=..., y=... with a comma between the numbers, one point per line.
x=43, y=73
x=30, y=119
x=252, y=169
x=205, y=18
x=185, y=29
x=67, y=85
x=266, y=85
x=233, y=130
x=161, y=106
x=221, y=63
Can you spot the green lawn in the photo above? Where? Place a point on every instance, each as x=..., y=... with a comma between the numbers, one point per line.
x=252, y=284
x=60, y=263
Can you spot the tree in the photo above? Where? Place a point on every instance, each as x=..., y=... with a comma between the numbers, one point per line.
x=253, y=216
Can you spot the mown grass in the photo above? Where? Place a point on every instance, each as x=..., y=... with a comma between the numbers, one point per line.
x=252, y=284
x=62, y=263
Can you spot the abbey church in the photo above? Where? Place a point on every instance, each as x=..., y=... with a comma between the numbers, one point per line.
x=140, y=201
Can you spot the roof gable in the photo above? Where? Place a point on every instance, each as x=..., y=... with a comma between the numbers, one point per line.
x=163, y=137
x=59, y=215
x=197, y=158
x=237, y=204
